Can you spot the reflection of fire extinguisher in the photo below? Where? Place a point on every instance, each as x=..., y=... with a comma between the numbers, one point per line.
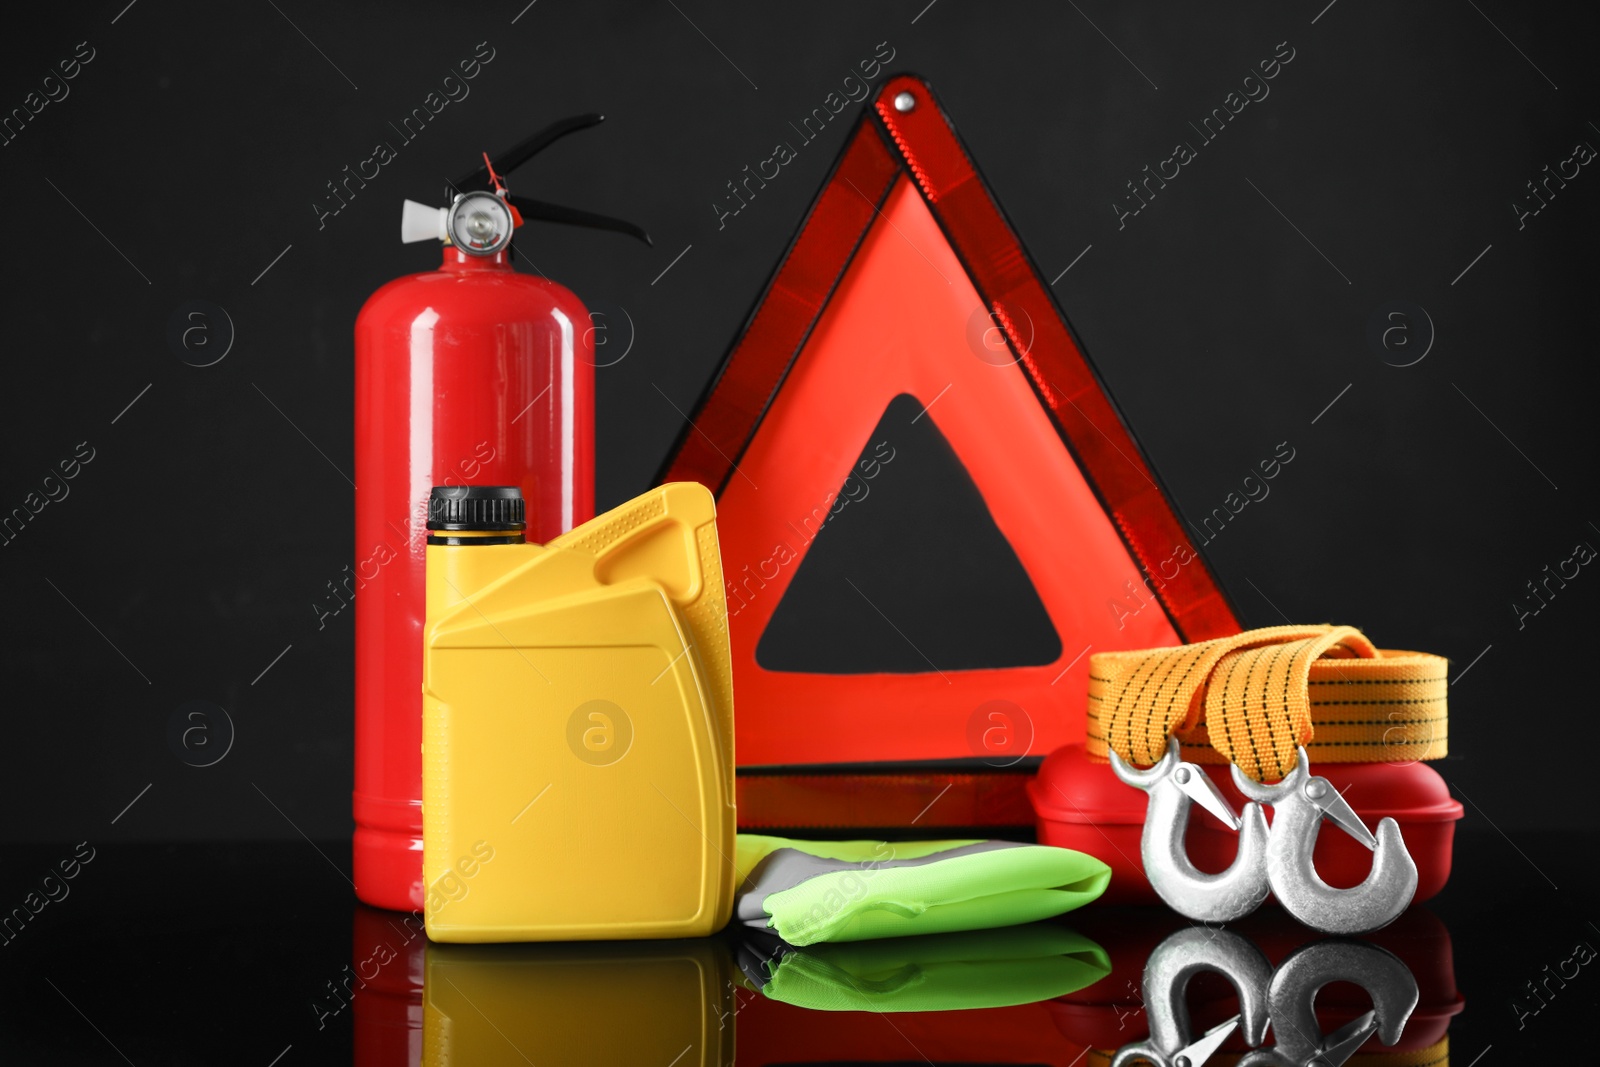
x=471, y=374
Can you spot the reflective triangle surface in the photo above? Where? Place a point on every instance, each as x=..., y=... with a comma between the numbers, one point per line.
x=905, y=283
x=899, y=326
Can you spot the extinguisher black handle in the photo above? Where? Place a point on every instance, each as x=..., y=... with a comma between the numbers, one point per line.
x=539, y=210
x=524, y=150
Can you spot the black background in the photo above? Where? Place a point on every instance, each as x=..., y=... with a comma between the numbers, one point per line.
x=191, y=149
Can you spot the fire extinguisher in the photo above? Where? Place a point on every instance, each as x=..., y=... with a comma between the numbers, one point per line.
x=472, y=374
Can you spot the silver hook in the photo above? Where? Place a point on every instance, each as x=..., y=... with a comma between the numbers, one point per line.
x=1299, y=804
x=1174, y=786
x=1299, y=1040
x=1166, y=980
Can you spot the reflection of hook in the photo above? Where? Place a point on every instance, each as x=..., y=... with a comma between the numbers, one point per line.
x=1287, y=1001
x=1298, y=1038
x=1174, y=787
x=1299, y=803
x=1166, y=979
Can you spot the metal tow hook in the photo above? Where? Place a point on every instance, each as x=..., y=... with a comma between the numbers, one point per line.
x=1299, y=1040
x=1299, y=804
x=1174, y=786
x=1166, y=981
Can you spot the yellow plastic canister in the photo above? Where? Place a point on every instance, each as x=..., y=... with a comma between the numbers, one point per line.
x=578, y=730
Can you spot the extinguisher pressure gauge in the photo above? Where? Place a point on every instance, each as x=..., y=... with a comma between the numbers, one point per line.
x=479, y=224
x=481, y=221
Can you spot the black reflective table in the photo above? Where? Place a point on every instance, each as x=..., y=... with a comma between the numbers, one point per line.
x=258, y=953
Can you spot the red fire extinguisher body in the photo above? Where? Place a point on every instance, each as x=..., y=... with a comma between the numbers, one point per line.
x=473, y=374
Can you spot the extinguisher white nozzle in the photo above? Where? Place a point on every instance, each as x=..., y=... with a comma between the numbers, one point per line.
x=419, y=222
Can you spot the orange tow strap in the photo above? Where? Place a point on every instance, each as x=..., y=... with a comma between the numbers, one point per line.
x=1253, y=698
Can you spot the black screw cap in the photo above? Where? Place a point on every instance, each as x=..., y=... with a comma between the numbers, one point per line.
x=476, y=508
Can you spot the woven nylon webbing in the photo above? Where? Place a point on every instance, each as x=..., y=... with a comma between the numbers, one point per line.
x=1253, y=698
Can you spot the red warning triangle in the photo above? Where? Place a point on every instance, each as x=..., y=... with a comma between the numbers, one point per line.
x=905, y=278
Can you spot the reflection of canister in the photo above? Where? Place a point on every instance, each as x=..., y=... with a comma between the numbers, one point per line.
x=656, y=1002
x=1081, y=805
x=386, y=955
x=1111, y=1013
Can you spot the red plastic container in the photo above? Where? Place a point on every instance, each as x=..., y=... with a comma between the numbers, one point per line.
x=472, y=374
x=1082, y=805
